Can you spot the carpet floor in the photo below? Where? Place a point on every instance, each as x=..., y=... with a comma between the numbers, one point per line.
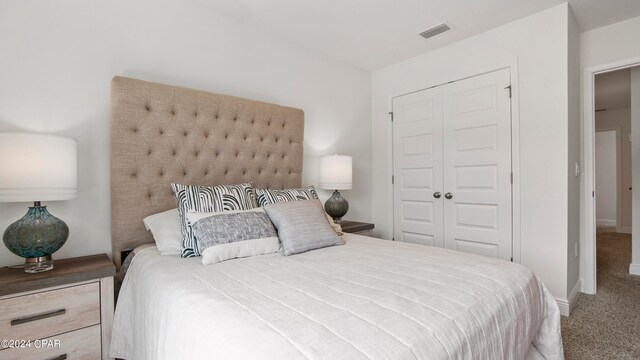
x=607, y=325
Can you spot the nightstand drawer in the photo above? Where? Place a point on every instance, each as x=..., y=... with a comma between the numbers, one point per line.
x=79, y=344
x=48, y=313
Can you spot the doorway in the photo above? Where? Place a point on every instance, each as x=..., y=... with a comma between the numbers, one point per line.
x=608, y=158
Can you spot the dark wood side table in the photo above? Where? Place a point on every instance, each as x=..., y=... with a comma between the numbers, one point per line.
x=63, y=313
x=356, y=227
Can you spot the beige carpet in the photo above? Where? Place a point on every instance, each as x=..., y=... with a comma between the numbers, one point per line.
x=607, y=325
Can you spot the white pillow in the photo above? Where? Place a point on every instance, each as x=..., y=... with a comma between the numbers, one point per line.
x=166, y=230
x=336, y=227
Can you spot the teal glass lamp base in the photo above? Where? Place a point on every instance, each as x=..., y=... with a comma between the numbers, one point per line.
x=336, y=206
x=38, y=264
x=35, y=237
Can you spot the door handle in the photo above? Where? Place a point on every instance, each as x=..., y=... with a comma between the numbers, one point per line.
x=437, y=195
x=448, y=195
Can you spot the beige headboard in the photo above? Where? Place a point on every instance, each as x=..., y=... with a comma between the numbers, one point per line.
x=162, y=134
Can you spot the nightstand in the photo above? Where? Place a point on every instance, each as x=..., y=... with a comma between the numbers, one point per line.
x=356, y=227
x=66, y=312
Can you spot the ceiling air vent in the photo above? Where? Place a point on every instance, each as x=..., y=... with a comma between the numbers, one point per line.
x=438, y=29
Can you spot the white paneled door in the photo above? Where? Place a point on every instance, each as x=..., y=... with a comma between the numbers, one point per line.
x=477, y=172
x=469, y=208
x=417, y=148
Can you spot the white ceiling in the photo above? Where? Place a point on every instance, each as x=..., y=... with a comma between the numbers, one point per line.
x=374, y=33
x=613, y=90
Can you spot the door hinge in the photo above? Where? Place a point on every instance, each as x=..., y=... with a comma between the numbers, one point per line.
x=511, y=178
x=511, y=259
x=393, y=179
x=509, y=88
x=593, y=194
x=391, y=114
x=393, y=239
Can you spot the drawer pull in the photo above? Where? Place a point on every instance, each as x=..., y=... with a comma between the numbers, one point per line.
x=38, y=317
x=61, y=357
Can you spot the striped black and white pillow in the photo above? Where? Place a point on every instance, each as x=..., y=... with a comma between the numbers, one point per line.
x=209, y=199
x=270, y=196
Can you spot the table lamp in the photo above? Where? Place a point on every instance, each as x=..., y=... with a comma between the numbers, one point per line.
x=37, y=167
x=336, y=174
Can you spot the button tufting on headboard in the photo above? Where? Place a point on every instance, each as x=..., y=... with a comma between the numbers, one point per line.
x=162, y=134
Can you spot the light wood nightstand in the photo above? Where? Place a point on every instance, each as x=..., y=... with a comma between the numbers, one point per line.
x=356, y=227
x=70, y=307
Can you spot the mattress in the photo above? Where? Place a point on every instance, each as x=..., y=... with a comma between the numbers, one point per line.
x=368, y=299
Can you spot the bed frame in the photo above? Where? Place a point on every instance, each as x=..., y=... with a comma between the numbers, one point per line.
x=162, y=134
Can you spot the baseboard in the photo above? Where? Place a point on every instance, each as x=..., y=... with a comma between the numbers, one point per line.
x=566, y=305
x=563, y=304
x=634, y=269
x=603, y=222
x=624, y=230
x=573, y=295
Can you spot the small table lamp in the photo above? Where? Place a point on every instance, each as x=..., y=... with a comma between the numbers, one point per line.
x=37, y=167
x=336, y=173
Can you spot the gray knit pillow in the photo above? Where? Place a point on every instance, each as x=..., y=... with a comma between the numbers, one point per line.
x=233, y=234
x=302, y=226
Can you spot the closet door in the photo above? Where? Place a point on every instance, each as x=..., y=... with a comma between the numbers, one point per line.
x=417, y=159
x=477, y=165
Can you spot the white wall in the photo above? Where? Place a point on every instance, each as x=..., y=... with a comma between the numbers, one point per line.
x=59, y=56
x=538, y=44
x=620, y=119
x=603, y=46
x=606, y=178
x=610, y=43
x=573, y=158
x=634, y=267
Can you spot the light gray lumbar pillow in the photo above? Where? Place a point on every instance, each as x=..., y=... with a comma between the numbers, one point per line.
x=302, y=226
x=233, y=234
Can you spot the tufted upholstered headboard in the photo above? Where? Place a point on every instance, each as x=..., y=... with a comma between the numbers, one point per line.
x=162, y=134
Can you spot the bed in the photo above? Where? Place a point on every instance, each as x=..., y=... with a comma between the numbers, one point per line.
x=368, y=299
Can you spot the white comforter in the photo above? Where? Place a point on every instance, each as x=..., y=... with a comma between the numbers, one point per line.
x=368, y=299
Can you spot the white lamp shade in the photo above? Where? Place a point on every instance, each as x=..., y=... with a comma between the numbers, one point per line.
x=37, y=167
x=336, y=172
